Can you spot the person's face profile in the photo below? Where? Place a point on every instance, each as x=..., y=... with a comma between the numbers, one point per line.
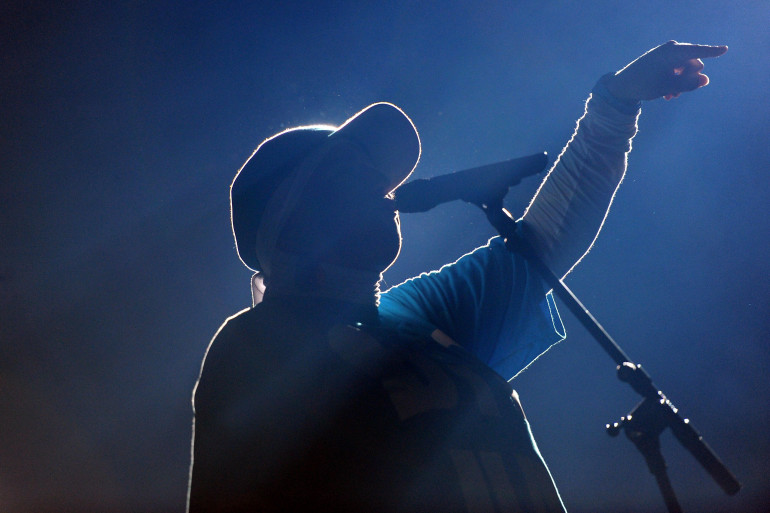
x=344, y=216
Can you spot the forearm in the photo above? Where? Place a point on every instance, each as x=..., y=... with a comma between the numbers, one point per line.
x=568, y=210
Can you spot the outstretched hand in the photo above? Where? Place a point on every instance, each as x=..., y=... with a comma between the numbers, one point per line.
x=667, y=70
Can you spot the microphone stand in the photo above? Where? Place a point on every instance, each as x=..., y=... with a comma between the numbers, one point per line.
x=655, y=412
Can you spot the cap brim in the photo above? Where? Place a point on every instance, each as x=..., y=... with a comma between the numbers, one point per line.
x=389, y=137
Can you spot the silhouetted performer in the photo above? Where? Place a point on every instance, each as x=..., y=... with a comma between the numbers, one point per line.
x=328, y=396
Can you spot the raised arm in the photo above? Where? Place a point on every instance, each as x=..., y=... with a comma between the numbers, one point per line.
x=489, y=301
x=569, y=208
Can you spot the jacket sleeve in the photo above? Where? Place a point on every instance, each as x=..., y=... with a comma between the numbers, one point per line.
x=566, y=214
x=490, y=301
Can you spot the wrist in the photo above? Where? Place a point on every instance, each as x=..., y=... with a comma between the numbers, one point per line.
x=604, y=89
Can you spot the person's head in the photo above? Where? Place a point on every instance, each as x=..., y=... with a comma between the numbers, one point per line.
x=319, y=193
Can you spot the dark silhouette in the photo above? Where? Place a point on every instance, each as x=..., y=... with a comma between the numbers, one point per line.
x=330, y=396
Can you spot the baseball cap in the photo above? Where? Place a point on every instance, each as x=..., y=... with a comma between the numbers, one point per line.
x=384, y=131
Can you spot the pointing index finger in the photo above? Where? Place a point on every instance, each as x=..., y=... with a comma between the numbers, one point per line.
x=690, y=51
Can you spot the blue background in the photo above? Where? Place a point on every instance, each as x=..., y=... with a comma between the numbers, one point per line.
x=123, y=123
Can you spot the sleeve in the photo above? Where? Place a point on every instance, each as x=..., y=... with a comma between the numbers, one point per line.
x=488, y=301
x=567, y=212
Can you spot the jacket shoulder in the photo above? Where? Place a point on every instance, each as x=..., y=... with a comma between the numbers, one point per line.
x=228, y=350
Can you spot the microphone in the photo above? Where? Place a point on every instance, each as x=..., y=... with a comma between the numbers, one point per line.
x=478, y=185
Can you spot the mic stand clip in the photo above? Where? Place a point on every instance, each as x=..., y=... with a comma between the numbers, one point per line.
x=643, y=426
